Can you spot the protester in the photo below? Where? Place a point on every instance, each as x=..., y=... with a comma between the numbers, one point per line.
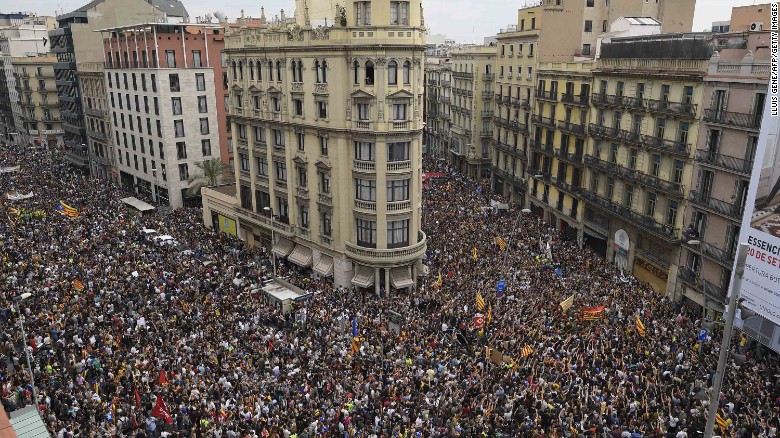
x=158, y=343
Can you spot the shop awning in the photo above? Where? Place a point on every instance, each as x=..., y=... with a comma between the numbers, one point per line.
x=422, y=269
x=324, y=266
x=137, y=204
x=301, y=256
x=400, y=277
x=283, y=247
x=364, y=276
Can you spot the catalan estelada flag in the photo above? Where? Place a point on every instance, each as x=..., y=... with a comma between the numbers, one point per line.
x=593, y=313
x=722, y=422
x=526, y=351
x=501, y=243
x=355, y=345
x=640, y=327
x=480, y=302
x=67, y=210
x=78, y=285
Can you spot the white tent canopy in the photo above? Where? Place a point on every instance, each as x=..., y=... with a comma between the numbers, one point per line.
x=137, y=204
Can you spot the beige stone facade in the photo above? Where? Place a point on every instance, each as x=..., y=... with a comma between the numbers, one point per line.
x=327, y=124
x=37, y=92
x=438, y=95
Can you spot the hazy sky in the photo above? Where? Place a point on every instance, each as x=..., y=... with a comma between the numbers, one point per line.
x=464, y=20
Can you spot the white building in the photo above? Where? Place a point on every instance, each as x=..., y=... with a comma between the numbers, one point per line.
x=627, y=27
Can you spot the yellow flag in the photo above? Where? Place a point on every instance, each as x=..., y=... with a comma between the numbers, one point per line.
x=567, y=303
x=474, y=253
x=480, y=302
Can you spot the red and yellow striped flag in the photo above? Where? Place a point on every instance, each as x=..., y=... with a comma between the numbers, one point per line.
x=501, y=243
x=526, y=351
x=480, y=302
x=78, y=285
x=640, y=327
x=474, y=253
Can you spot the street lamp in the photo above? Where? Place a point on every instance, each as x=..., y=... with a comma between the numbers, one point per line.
x=273, y=237
x=16, y=302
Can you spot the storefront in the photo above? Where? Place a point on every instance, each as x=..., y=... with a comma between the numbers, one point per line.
x=648, y=272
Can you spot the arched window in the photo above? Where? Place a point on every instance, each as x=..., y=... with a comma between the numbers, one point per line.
x=279, y=71
x=369, y=73
x=259, y=71
x=300, y=71
x=324, y=72
x=356, y=67
x=270, y=70
x=317, y=77
x=392, y=73
x=240, y=70
x=235, y=72
x=251, y=70
x=294, y=70
x=407, y=73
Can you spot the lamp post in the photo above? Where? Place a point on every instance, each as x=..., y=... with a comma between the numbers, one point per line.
x=736, y=284
x=16, y=301
x=273, y=237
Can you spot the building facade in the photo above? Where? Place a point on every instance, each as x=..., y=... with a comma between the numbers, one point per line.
x=471, y=134
x=328, y=142
x=555, y=167
x=164, y=84
x=438, y=96
x=40, y=113
x=735, y=90
x=75, y=43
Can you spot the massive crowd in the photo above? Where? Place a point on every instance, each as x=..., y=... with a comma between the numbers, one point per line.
x=154, y=322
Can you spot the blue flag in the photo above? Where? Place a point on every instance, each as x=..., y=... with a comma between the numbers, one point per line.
x=354, y=329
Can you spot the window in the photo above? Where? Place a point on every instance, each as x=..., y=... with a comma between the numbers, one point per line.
x=205, y=147
x=322, y=109
x=398, y=233
x=278, y=138
x=392, y=73
x=162, y=151
x=324, y=182
x=258, y=103
x=184, y=172
x=399, y=111
x=604, y=26
x=241, y=128
x=660, y=127
x=369, y=73
x=629, y=196
x=181, y=150
x=366, y=233
x=283, y=208
x=363, y=13
x=365, y=189
x=610, y=188
x=178, y=128
x=399, y=13
x=655, y=170
x=196, y=60
x=238, y=98
x=298, y=107
x=398, y=190
x=586, y=49
x=665, y=90
x=244, y=162
x=671, y=215
x=276, y=104
x=684, y=126
x=174, y=80
x=302, y=177
x=170, y=58
x=204, y=126
x=262, y=166
x=202, y=104
x=321, y=71
x=356, y=70
x=613, y=153
x=326, y=223
x=650, y=208
x=323, y=145
x=280, y=169
x=398, y=151
x=588, y=26
x=677, y=176
x=364, y=151
x=176, y=105
x=156, y=106
x=154, y=83
x=407, y=74
x=362, y=111
x=589, y=3
x=259, y=134
x=632, y=156
x=246, y=197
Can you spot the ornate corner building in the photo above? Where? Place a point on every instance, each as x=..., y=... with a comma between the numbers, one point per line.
x=327, y=117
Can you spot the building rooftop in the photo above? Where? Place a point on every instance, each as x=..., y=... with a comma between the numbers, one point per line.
x=643, y=21
x=150, y=25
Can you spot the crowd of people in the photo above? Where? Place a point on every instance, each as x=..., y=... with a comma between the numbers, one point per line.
x=158, y=343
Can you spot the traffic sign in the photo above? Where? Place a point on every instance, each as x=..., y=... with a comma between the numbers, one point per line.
x=702, y=335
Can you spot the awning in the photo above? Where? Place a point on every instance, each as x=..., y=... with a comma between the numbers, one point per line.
x=324, y=266
x=301, y=256
x=364, y=276
x=422, y=269
x=400, y=277
x=283, y=247
x=137, y=204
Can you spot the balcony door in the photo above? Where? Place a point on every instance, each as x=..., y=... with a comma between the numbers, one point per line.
x=705, y=183
x=718, y=103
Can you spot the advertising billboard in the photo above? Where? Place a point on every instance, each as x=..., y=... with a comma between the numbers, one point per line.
x=761, y=231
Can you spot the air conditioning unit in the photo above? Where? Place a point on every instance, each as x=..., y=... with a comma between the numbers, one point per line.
x=757, y=26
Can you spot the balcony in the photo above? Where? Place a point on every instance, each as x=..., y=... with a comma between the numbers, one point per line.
x=362, y=124
x=364, y=166
x=97, y=135
x=511, y=150
x=485, y=134
x=544, y=121
x=498, y=98
x=444, y=116
x=525, y=104
x=517, y=126
x=487, y=114
x=575, y=159
x=374, y=257
x=487, y=95
x=399, y=166
x=723, y=208
x=369, y=206
x=399, y=206
x=510, y=177
x=76, y=157
x=561, y=184
x=687, y=110
x=730, y=119
x=665, y=232
x=617, y=100
x=264, y=220
x=325, y=198
x=546, y=148
x=400, y=125
x=505, y=100
x=498, y=121
x=462, y=75
x=444, y=99
x=723, y=257
x=575, y=99
x=671, y=147
x=547, y=95
x=613, y=134
x=487, y=77
x=96, y=112
x=725, y=162
x=572, y=128
x=446, y=84
x=641, y=178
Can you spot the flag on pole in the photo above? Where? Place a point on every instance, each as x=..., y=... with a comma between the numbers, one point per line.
x=722, y=422
x=567, y=303
x=489, y=316
x=501, y=243
x=438, y=281
x=640, y=327
x=526, y=351
x=355, y=344
x=161, y=412
x=480, y=302
x=593, y=313
x=67, y=210
x=161, y=378
x=137, y=398
x=78, y=285
x=474, y=253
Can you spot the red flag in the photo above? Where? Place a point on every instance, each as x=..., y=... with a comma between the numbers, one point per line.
x=161, y=412
x=137, y=398
x=161, y=379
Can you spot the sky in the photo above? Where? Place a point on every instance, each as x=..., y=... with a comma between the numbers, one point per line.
x=464, y=20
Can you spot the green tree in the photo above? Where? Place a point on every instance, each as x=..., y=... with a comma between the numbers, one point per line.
x=213, y=172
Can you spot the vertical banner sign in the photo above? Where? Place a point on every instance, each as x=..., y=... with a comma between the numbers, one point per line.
x=761, y=220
